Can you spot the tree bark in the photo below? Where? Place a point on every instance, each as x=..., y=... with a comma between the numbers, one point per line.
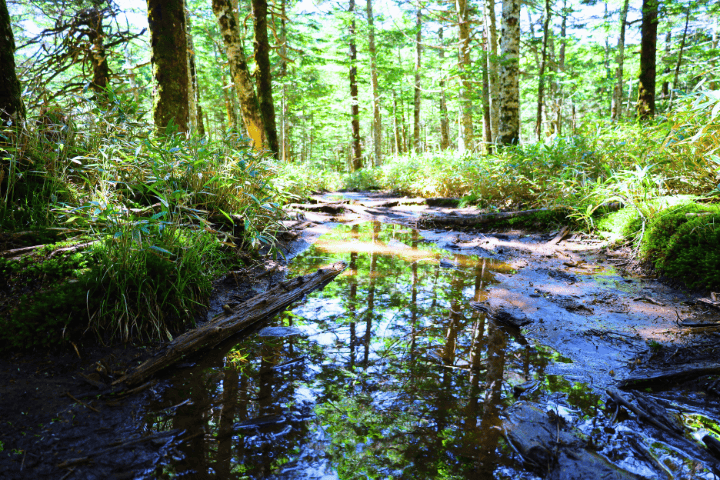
x=561, y=68
x=648, y=49
x=676, y=77
x=263, y=74
x=252, y=116
x=618, y=90
x=354, y=102
x=416, y=93
x=377, y=120
x=168, y=40
x=487, y=114
x=465, y=136
x=285, y=125
x=492, y=68
x=12, y=109
x=665, y=90
x=398, y=135
x=541, y=73
x=192, y=80
x=509, y=75
x=444, y=125
x=98, y=56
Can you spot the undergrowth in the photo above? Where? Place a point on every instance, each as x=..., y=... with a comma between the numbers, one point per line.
x=157, y=218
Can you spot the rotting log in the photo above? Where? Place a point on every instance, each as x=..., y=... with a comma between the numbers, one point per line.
x=247, y=314
x=674, y=375
x=444, y=220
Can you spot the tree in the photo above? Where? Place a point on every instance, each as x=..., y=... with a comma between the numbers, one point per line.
x=12, y=109
x=541, y=79
x=444, y=127
x=417, y=92
x=465, y=136
x=648, y=48
x=168, y=38
x=509, y=75
x=377, y=121
x=492, y=67
x=616, y=112
x=354, y=102
x=263, y=75
x=252, y=117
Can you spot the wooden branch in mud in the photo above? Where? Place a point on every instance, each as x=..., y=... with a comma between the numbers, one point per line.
x=667, y=376
x=248, y=313
x=641, y=414
x=472, y=220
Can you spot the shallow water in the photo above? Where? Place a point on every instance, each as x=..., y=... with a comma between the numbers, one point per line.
x=385, y=373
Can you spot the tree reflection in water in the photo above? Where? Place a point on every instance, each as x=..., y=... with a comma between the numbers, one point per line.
x=393, y=375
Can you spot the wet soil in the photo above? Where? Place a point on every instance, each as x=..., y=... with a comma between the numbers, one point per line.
x=391, y=371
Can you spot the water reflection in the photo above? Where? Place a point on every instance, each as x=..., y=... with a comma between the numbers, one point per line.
x=394, y=374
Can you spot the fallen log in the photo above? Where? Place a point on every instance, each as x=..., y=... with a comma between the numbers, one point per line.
x=642, y=414
x=472, y=220
x=210, y=334
x=673, y=375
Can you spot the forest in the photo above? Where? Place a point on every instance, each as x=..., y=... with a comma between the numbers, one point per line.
x=179, y=176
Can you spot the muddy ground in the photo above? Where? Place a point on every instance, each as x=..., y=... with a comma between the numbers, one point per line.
x=583, y=299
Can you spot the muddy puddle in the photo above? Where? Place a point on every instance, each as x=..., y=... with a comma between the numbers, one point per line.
x=388, y=372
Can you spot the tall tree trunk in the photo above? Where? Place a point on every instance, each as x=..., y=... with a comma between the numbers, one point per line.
x=492, y=67
x=398, y=135
x=192, y=81
x=541, y=73
x=676, y=77
x=618, y=90
x=606, y=61
x=98, y=55
x=354, y=102
x=665, y=90
x=465, y=136
x=168, y=39
x=263, y=74
x=509, y=129
x=285, y=127
x=487, y=122
x=228, y=92
x=561, y=68
x=416, y=96
x=648, y=48
x=377, y=120
x=252, y=116
x=444, y=126
x=12, y=109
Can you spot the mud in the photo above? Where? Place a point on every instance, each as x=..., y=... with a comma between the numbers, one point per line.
x=392, y=370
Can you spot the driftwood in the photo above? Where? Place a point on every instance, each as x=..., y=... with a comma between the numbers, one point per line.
x=680, y=374
x=654, y=419
x=248, y=313
x=472, y=220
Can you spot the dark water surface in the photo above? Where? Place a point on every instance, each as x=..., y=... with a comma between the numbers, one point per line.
x=385, y=373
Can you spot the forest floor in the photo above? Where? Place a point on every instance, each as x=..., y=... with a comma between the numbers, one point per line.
x=609, y=320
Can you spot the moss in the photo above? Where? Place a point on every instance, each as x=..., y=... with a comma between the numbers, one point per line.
x=683, y=242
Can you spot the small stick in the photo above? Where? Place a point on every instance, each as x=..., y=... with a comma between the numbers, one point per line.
x=68, y=473
x=82, y=403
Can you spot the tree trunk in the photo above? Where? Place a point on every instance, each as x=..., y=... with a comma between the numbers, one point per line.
x=465, y=136
x=354, y=102
x=98, y=56
x=648, y=48
x=676, y=77
x=665, y=90
x=263, y=75
x=169, y=60
x=252, y=116
x=284, y=129
x=509, y=75
x=192, y=81
x=618, y=90
x=12, y=109
x=492, y=67
x=416, y=96
x=229, y=107
x=541, y=73
x=487, y=121
x=377, y=120
x=444, y=126
x=561, y=68
x=398, y=135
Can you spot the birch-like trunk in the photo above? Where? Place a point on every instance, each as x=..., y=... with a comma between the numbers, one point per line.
x=444, y=126
x=416, y=96
x=509, y=74
x=618, y=90
x=377, y=120
x=465, y=134
x=230, y=32
x=541, y=73
x=648, y=51
x=354, y=102
x=168, y=39
x=492, y=67
x=263, y=76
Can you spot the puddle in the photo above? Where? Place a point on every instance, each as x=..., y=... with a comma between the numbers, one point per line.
x=385, y=373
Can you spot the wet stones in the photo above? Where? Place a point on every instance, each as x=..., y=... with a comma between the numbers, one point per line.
x=503, y=312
